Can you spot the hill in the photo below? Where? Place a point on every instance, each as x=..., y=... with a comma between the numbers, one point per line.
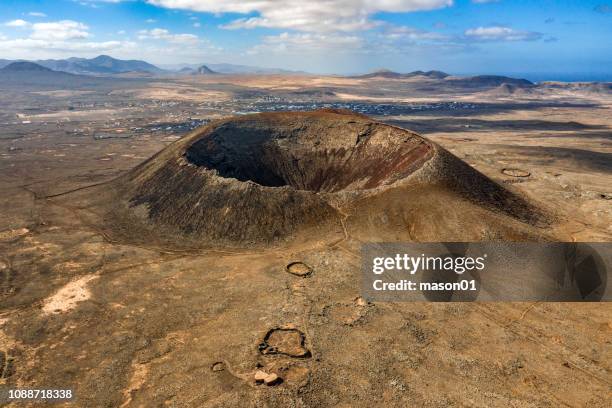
x=277, y=179
x=4, y=62
x=204, y=70
x=382, y=73
x=430, y=74
x=488, y=81
x=24, y=66
x=24, y=74
x=588, y=87
x=385, y=73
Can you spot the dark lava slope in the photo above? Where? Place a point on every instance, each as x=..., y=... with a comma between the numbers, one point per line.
x=269, y=177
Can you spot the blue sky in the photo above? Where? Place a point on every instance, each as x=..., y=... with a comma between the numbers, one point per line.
x=568, y=39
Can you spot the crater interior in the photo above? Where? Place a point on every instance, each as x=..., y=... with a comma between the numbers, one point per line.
x=311, y=155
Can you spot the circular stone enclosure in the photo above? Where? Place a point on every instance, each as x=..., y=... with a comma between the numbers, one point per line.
x=512, y=172
x=317, y=154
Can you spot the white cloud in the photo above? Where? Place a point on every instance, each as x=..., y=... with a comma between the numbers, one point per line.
x=150, y=21
x=102, y=1
x=32, y=49
x=98, y=3
x=36, y=14
x=93, y=3
x=163, y=34
x=197, y=25
x=500, y=33
x=304, y=24
x=390, y=39
x=62, y=39
x=17, y=23
x=412, y=34
x=59, y=30
x=309, y=16
x=299, y=43
x=56, y=39
x=36, y=48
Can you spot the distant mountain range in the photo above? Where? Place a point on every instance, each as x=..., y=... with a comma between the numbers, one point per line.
x=29, y=74
x=102, y=70
x=463, y=82
x=100, y=65
x=106, y=65
x=83, y=71
x=385, y=73
x=230, y=69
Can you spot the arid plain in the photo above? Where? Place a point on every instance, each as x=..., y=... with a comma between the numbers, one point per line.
x=133, y=322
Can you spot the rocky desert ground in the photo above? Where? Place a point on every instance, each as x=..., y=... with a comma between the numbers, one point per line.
x=99, y=296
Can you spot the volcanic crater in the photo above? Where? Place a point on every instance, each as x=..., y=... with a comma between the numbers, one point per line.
x=272, y=177
x=313, y=156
